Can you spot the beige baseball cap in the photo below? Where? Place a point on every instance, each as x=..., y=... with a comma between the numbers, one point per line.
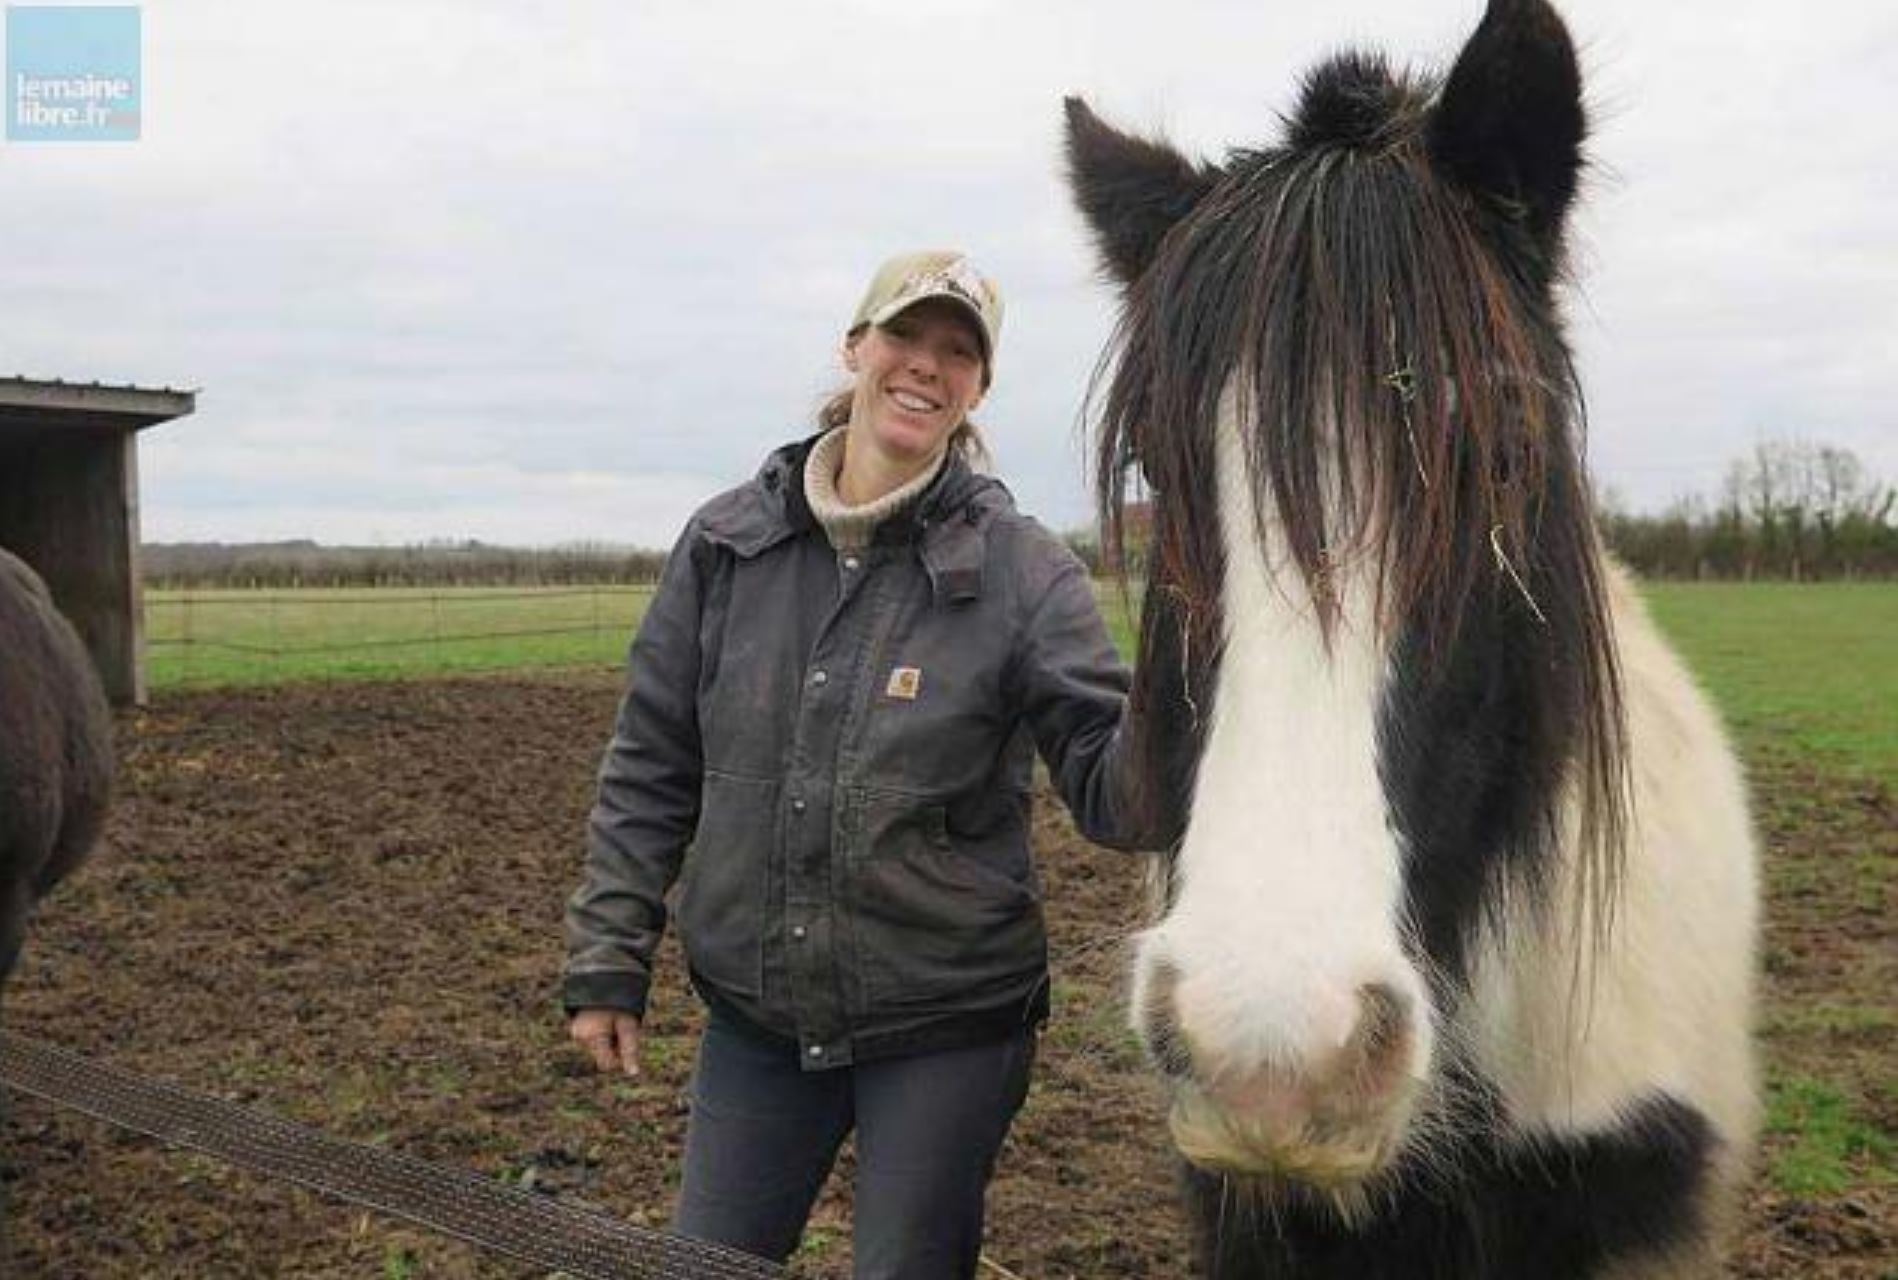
x=910, y=278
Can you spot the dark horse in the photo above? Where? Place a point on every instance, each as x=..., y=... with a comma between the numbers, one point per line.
x=1454, y=974
x=55, y=751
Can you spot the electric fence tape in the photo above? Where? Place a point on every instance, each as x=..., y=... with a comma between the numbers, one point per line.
x=582, y=1243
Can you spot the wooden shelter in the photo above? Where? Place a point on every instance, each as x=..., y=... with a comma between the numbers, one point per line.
x=69, y=506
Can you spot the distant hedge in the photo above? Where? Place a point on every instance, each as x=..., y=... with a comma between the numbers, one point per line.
x=306, y=564
x=1789, y=509
x=1727, y=545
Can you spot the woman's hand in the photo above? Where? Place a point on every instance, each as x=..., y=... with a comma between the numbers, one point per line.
x=609, y=1036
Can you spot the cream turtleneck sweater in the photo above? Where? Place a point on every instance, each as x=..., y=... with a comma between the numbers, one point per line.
x=850, y=528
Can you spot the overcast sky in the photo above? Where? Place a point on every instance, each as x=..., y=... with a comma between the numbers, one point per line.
x=537, y=273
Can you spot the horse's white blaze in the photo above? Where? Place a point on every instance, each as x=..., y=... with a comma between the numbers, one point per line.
x=1289, y=885
x=1667, y=1007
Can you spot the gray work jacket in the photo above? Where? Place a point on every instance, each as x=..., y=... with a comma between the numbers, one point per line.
x=832, y=754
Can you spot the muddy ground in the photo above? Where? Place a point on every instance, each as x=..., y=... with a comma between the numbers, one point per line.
x=341, y=903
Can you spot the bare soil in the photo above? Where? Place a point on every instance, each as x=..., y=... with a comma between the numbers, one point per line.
x=342, y=903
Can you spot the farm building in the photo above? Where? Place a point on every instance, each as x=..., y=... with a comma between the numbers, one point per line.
x=69, y=506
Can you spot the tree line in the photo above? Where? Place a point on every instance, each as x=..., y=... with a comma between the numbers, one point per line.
x=1789, y=509
x=284, y=565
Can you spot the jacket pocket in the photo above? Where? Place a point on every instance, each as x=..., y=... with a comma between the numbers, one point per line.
x=940, y=921
x=722, y=887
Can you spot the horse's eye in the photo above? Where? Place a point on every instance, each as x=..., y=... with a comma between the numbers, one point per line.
x=1131, y=459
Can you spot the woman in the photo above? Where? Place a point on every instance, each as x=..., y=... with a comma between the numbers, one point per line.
x=835, y=700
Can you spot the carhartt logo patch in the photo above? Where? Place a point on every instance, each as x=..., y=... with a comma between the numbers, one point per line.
x=905, y=683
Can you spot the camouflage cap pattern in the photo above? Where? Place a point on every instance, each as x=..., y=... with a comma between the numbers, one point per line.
x=910, y=278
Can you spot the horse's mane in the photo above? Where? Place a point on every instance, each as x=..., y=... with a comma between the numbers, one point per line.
x=1389, y=343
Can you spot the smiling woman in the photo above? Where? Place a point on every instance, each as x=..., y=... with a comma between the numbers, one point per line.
x=918, y=378
x=828, y=739
x=922, y=361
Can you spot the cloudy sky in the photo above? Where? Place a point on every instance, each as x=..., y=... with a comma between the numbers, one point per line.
x=536, y=273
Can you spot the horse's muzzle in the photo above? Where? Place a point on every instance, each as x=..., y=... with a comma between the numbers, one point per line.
x=1330, y=1122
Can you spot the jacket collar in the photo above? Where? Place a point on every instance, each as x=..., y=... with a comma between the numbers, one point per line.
x=757, y=516
x=952, y=531
x=949, y=523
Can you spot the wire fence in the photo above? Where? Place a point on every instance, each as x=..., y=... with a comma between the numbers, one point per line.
x=224, y=637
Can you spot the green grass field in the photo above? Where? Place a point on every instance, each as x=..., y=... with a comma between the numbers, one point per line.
x=1809, y=669
x=198, y=638
x=1796, y=669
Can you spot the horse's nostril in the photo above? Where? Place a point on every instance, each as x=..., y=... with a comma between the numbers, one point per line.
x=1375, y=1055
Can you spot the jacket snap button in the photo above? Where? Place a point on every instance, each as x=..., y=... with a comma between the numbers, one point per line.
x=851, y=562
x=798, y=805
x=820, y=677
x=797, y=931
x=817, y=1051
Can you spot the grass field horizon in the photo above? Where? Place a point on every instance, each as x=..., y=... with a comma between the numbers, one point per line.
x=1799, y=668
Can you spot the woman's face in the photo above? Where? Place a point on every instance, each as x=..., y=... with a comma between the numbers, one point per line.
x=918, y=377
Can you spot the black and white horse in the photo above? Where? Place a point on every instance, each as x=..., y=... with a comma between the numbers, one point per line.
x=55, y=750
x=1455, y=971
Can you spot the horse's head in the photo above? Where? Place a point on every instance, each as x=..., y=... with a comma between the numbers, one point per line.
x=1375, y=660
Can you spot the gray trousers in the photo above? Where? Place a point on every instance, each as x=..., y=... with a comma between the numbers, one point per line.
x=763, y=1134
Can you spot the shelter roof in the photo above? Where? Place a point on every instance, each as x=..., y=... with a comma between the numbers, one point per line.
x=36, y=405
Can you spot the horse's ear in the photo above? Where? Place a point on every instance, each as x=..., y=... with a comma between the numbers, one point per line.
x=1131, y=191
x=1510, y=120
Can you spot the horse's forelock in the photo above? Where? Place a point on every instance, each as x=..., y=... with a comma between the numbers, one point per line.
x=1356, y=100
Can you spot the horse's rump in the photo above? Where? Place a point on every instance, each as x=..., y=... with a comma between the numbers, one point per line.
x=55, y=749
